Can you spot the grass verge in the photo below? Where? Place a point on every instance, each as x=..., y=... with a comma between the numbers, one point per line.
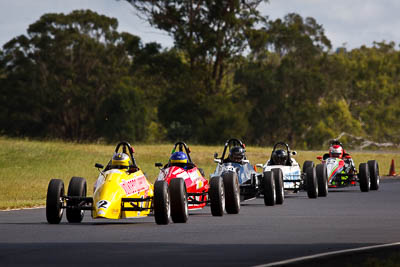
x=26, y=167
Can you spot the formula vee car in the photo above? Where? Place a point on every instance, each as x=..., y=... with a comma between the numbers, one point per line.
x=240, y=177
x=342, y=172
x=121, y=191
x=189, y=179
x=287, y=170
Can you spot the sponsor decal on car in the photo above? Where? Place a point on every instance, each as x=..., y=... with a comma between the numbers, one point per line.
x=134, y=185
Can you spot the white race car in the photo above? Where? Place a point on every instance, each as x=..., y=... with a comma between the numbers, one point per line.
x=287, y=170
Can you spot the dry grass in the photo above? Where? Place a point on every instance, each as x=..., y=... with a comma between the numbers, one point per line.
x=26, y=166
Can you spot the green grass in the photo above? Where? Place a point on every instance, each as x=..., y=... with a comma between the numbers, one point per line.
x=26, y=167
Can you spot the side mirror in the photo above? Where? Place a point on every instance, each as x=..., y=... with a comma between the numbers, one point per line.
x=319, y=157
x=215, y=155
x=245, y=161
x=294, y=153
x=98, y=165
x=217, y=160
x=158, y=164
x=348, y=157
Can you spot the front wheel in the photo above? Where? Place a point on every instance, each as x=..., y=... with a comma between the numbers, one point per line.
x=76, y=188
x=280, y=191
x=269, y=188
x=55, y=201
x=161, y=204
x=322, y=177
x=232, y=192
x=216, y=195
x=307, y=164
x=311, y=183
x=363, y=177
x=373, y=169
x=179, y=202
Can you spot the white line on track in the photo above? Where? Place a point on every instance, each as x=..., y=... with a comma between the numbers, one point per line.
x=321, y=255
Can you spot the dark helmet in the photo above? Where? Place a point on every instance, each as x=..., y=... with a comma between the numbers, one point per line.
x=279, y=157
x=120, y=161
x=236, y=154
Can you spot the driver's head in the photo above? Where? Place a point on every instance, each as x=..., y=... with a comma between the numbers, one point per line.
x=236, y=154
x=178, y=157
x=279, y=157
x=120, y=161
x=336, y=151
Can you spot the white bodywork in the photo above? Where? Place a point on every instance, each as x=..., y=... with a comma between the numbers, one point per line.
x=291, y=174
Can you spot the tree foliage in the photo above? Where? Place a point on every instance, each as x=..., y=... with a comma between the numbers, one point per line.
x=76, y=77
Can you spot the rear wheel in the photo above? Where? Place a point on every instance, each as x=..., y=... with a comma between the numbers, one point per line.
x=269, y=188
x=311, y=183
x=280, y=191
x=54, y=201
x=76, y=188
x=322, y=177
x=161, y=203
x=217, y=196
x=373, y=169
x=179, y=202
x=363, y=177
x=232, y=192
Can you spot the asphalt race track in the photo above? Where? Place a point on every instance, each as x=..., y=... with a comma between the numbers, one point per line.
x=259, y=234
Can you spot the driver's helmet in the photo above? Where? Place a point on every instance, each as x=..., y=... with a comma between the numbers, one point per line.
x=336, y=151
x=178, y=157
x=120, y=161
x=236, y=154
x=279, y=157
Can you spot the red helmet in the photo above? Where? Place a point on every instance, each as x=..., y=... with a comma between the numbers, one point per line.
x=336, y=151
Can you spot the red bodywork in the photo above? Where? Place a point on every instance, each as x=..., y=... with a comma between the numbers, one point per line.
x=196, y=185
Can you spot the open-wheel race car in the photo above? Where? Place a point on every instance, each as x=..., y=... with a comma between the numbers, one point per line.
x=287, y=170
x=341, y=170
x=189, y=180
x=121, y=191
x=239, y=176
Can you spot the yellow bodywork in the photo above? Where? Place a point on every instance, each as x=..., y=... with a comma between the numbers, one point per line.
x=115, y=184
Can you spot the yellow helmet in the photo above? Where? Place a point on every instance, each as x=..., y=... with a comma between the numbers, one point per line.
x=120, y=161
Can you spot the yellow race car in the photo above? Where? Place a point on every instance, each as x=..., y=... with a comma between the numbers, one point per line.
x=121, y=191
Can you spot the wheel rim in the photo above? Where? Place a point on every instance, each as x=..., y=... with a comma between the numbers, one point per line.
x=60, y=209
x=222, y=196
x=168, y=206
x=186, y=205
x=237, y=193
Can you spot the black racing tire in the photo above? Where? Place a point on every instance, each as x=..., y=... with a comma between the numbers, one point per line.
x=322, y=178
x=307, y=164
x=279, y=189
x=364, y=177
x=232, y=192
x=373, y=169
x=269, y=188
x=77, y=188
x=216, y=194
x=161, y=202
x=179, y=200
x=311, y=182
x=54, y=201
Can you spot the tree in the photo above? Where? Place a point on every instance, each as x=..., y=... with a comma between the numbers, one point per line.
x=60, y=76
x=211, y=33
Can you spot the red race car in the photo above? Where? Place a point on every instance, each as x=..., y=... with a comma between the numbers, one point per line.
x=181, y=170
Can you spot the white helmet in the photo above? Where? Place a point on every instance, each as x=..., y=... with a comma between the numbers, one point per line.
x=336, y=151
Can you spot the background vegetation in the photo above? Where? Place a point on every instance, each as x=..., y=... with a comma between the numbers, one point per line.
x=231, y=73
x=26, y=167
